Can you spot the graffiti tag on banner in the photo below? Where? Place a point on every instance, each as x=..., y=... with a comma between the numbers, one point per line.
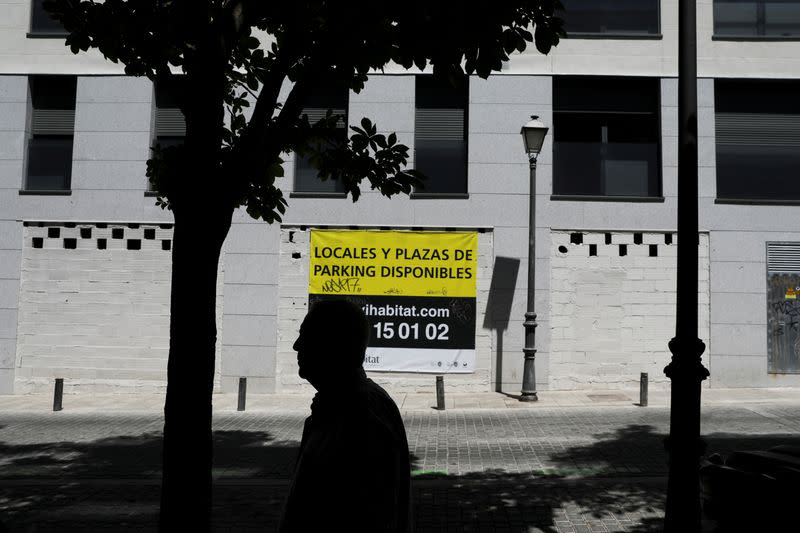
x=417, y=289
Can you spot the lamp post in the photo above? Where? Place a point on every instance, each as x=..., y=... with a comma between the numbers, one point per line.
x=533, y=134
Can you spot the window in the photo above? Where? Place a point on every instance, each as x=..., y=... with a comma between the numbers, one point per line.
x=440, y=135
x=49, y=165
x=170, y=127
x=759, y=18
x=42, y=23
x=606, y=137
x=610, y=17
x=316, y=106
x=758, y=139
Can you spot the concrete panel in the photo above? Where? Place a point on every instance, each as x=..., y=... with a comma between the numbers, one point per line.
x=738, y=277
x=117, y=117
x=388, y=116
x=738, y=339
x=501, y=178
x=14, y=89
x=109, y=175
x=248, y=330
x=499, y=148
x=8, y=323
x=7, y=380
x=12, y=145
x=381, y=89
x=504, y=118
x=111, y=146
x=738, y=308
x=8, y=353
x=11, y=174
x=251, y=299
x=113, y=89
x=251, y=268
x=10, y=235
x=9, y=293
x=252, y=238
x=739, y=371
x=707, y=186
x=12, y=116
x=10, y=263
x=533, y=90
x=248, y=361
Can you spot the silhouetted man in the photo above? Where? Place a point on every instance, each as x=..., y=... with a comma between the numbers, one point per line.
x=353, y=471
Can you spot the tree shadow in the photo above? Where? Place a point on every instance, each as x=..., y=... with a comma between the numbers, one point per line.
x=616, y=483
x=114, y=482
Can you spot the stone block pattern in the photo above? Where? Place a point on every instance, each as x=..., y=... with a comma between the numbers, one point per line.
x=612, y=307
x=293, y=306
x=94, y=306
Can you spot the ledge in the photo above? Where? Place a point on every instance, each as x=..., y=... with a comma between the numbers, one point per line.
x=25, y=192
x=303, y=194
x=754, y=38
x=439, y=195
x=591, y=198
x=744, y=201
x=46, y=35
x=636, y=36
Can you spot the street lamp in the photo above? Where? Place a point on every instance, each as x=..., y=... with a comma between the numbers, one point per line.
x=533, y=134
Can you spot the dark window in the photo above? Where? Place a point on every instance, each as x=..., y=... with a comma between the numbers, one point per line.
x=170, y=125
x=316, y=106
x=49, y=165
x=440, y=134
x=606, y=136
x=758, y=139
x=748, y=18
x=610, y=17
x=42, y=22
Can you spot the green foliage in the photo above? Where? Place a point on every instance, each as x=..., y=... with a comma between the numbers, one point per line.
x=230, y=72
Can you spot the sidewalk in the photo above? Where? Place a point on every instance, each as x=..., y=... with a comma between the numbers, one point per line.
x=85, y=402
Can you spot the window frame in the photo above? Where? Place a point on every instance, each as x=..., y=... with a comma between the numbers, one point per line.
x=721, y=107
x=38, y=138
x=36, y=31
x=637, y=35
x=322, y=100
x=423, y=194
x=658, y=195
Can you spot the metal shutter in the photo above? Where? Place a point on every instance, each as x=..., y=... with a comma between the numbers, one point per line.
x=758, y=129
x=170, y=122
x=53, y=121
x=443, y=124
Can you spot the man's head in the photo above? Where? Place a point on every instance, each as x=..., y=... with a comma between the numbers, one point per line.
x=332, y=342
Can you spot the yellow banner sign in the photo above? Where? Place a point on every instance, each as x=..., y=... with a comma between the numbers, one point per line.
x=393, y=263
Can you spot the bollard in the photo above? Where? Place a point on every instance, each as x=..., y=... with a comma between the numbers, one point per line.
x=643, y=390
x=242, y=393
x=440, y=393
x=59, y=393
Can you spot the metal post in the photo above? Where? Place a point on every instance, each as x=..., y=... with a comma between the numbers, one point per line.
x=58, y=394
x=643, y=390
x=529, y=368
x=440, y=393
x=242, y=393
x=686, y=370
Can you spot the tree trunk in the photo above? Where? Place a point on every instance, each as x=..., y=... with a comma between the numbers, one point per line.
x=200, y=230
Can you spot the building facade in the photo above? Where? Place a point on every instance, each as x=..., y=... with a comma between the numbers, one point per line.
x=85, y=253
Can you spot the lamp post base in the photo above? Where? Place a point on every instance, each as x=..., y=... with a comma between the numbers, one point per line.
x=529, y=397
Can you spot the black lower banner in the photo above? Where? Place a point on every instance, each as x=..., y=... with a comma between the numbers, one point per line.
x=417, y=333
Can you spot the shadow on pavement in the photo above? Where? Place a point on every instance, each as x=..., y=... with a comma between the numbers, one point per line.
x=616, y=483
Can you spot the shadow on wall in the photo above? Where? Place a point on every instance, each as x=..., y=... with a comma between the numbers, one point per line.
x=615, y=483
x=498, y=309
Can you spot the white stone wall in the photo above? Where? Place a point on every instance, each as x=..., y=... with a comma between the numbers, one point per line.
x=99, y=318
x=293, y=306
x=613, y=315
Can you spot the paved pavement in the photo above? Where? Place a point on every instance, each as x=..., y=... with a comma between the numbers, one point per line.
x=573, y=462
